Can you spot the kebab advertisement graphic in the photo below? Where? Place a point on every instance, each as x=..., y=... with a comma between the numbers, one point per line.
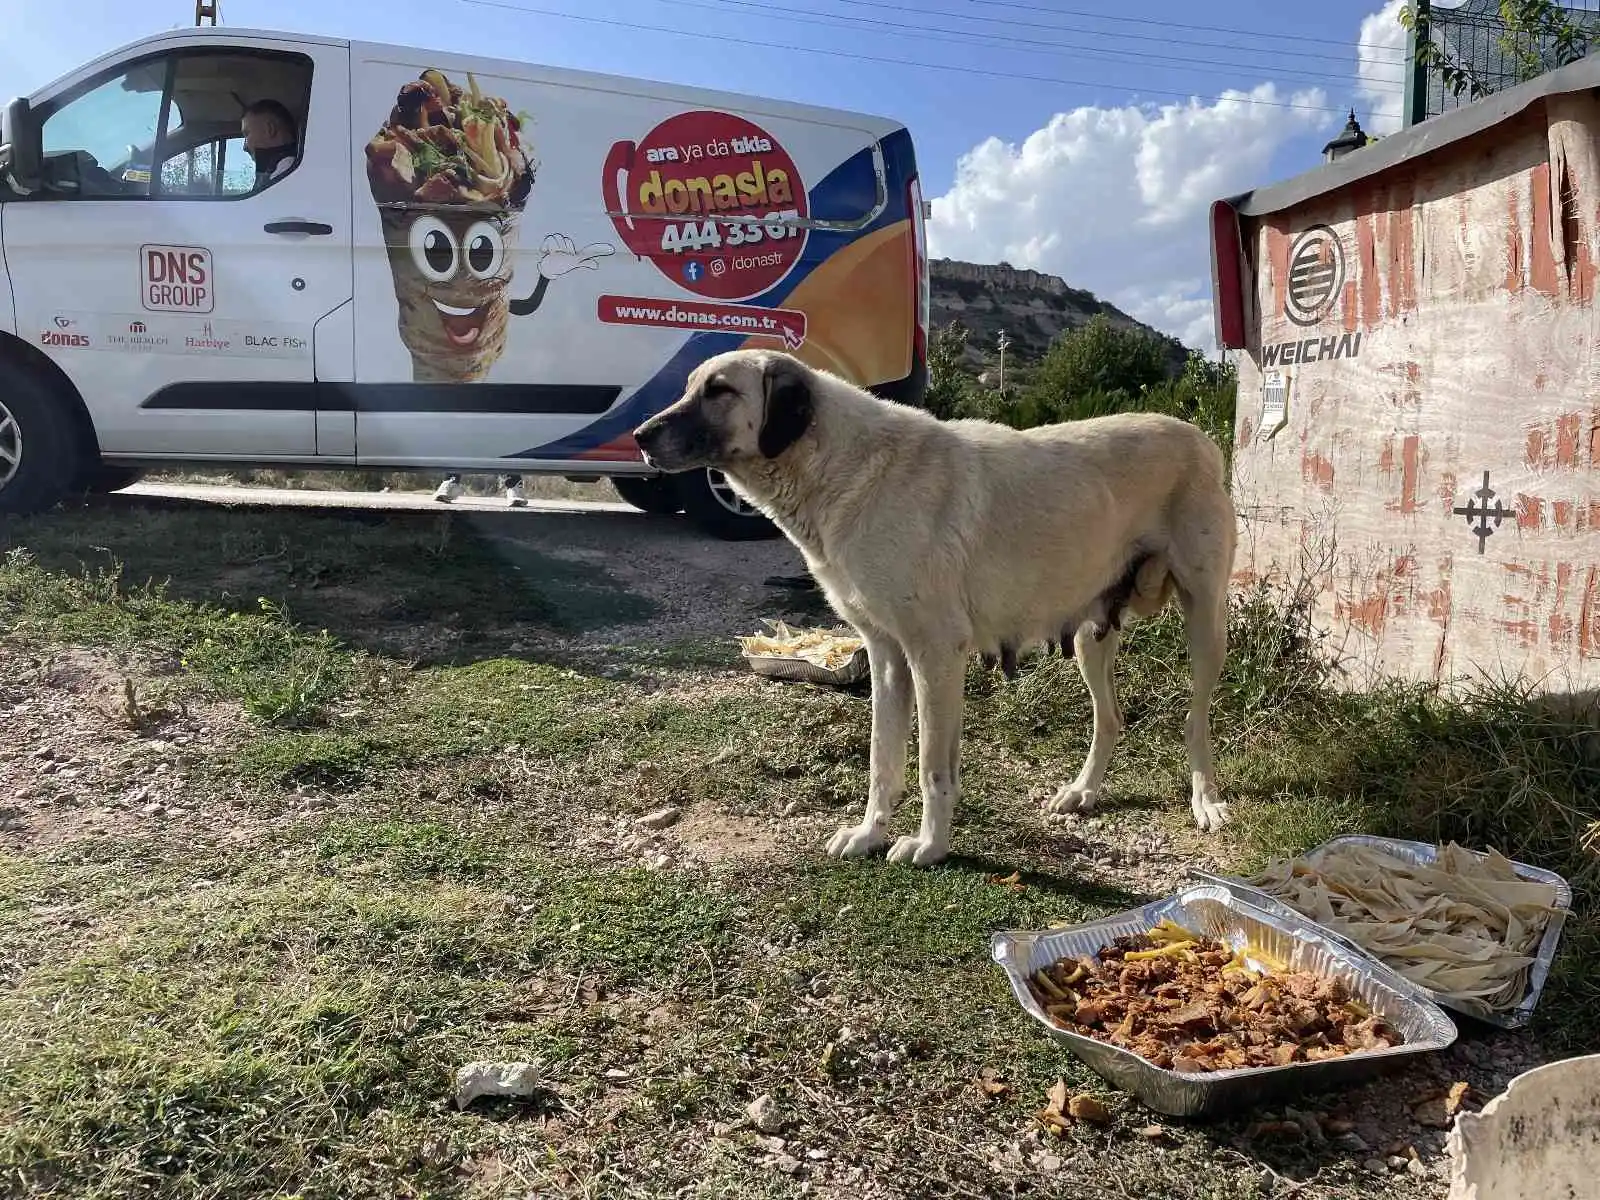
x=451, y=173
x=710, y=199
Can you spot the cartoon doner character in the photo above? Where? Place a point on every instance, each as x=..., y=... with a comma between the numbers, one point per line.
x=451, y=176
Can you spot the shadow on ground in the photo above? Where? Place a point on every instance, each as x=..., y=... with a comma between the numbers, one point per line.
x=384, y=582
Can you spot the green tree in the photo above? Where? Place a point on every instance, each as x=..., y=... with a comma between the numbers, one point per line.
x=950, y=388
x=1096, y=368
x=1537, y=36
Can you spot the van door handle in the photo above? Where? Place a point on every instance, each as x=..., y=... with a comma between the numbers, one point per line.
x=316, y=228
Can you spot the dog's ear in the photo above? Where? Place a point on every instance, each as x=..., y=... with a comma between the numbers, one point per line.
x=786, y=405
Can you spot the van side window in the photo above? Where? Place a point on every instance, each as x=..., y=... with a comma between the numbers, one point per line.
x=180, y=126
x=92, y=144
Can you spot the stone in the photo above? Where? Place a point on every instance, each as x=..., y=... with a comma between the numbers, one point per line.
x=662, y=818
x=765, y=1114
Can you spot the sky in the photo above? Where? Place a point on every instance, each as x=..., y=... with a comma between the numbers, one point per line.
x=1079, y=137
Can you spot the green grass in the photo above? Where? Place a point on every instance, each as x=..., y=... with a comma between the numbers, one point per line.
x=280, y=1016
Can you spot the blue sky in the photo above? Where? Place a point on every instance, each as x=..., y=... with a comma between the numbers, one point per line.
x=1079, y=111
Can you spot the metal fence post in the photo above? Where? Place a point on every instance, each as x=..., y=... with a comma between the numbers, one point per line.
x=1416, y=99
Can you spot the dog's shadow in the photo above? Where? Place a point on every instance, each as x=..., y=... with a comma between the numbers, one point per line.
x=1047, y=880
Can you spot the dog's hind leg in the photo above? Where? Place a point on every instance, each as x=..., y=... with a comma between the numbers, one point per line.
x=940, y=682
x=1205, y=611
x=891, y=730
x=1096, y=660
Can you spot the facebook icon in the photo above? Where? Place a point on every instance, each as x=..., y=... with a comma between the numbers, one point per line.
x=692, y=271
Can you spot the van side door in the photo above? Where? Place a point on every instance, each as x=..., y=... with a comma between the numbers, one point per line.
x=189, y=303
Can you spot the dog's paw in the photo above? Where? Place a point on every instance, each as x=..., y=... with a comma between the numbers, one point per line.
x=1210, y=813
x=1072, y=798
x=917, y=852
x=855, y=841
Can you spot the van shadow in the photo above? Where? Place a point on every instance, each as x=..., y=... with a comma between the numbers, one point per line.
x=434, y=588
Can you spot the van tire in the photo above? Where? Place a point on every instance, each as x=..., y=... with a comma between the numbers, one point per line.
x=652, y=495
x=42, y=428
x=708, y=510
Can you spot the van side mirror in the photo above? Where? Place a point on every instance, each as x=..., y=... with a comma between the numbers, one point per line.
x=21, y=148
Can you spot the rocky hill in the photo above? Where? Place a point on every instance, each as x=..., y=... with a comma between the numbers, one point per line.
x=1031, y=307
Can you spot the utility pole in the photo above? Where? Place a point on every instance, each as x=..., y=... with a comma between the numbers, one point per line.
x=205, y=11
x=1003, y=343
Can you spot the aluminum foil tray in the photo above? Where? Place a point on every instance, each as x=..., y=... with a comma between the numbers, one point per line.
x=1214, y=911
x=779, y=666
x=1424, y=853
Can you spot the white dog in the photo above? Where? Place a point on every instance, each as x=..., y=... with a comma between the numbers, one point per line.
x=940, y=539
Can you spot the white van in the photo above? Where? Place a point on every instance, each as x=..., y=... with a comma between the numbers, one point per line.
x=455, y=264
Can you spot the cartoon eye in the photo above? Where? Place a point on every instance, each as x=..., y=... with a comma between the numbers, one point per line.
x=434, y=249
x=486, y=250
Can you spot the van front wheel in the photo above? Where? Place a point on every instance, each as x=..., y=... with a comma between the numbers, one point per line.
x=40, y=458
x=711, y=503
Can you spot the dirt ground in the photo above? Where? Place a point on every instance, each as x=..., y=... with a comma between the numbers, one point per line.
x=108, y=760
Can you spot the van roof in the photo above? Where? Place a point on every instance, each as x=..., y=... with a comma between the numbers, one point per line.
x=878, y=126
x=1425, y=137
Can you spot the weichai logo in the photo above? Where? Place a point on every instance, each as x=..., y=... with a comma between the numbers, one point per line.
x=713, y=200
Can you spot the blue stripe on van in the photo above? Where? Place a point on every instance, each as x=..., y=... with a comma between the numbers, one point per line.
x=847, y=191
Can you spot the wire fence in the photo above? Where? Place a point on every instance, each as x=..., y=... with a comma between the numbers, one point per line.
x=1473, y=36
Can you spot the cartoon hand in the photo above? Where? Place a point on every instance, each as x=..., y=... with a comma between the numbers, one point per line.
x=560, y=256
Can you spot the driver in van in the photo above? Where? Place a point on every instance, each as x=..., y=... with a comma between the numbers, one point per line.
x=270, y=138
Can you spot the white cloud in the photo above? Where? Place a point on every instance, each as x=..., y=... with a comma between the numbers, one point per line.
x=1380, y=68
x=1116, y=199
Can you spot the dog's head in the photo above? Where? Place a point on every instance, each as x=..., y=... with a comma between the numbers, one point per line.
x=739, y=406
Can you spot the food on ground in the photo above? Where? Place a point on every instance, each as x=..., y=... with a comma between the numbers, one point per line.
x=1189, y=1003
x=1466, y=928
x=826, y=648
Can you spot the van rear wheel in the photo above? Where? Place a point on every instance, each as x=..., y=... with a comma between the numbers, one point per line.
x=651, y=495
x=40, y=456
x=711, y=503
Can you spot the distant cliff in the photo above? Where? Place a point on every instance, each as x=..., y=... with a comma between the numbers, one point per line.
x=1032, y=308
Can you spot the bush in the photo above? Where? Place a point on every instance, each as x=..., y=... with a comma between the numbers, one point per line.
x=1094, y=369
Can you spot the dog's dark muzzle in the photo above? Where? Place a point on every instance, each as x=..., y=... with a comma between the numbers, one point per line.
x=678, y=441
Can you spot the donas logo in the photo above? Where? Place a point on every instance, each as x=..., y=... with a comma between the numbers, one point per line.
x=1316, y=275
x=52, y=337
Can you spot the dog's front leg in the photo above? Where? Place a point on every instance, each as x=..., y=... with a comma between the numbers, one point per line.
x=891, y=729
x=940, y=681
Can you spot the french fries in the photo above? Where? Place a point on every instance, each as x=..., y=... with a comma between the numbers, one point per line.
x=826, y=648
x=1465, y=928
